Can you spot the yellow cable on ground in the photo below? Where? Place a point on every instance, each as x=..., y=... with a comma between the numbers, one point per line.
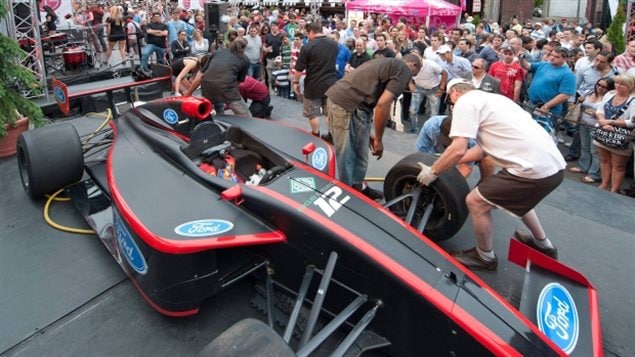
x=108, y=116
x=58, y=199
x=59, y=226
x=53, y=197
x=374, y=179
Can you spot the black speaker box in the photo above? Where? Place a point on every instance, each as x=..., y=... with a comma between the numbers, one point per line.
x=213, y=13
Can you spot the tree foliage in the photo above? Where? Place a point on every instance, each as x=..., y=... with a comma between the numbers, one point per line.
x=615, y=32
x=14, y=76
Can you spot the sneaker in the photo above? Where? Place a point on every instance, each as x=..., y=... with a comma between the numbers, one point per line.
x=372, y=193
x=559, y=138
x=328, y=138
x=471, y=259
x=529, y=240
x=570, y=158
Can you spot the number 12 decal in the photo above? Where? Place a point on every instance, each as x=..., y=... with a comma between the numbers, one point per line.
x=329, y=202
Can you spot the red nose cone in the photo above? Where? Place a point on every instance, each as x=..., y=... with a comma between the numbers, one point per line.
x=197, y=108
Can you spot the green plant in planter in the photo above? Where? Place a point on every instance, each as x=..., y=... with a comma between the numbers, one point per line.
x=12, y=76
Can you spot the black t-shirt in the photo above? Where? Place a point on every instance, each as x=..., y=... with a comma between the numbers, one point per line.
x=318, y=57
x=357, y=60
x=222, y=74
x=274, y=42
x=158, y=41
x=420, y=45
x=362, y=87
x=384, y=52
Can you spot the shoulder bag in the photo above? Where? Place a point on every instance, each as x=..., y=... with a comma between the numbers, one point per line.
x=619, y=137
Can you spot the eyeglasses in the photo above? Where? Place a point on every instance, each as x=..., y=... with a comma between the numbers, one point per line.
x=476, y=67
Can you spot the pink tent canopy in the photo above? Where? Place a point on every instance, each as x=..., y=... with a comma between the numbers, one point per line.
x=416, y=8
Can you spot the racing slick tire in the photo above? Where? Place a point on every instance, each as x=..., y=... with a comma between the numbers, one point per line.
x=449, y=190
x=49, y=158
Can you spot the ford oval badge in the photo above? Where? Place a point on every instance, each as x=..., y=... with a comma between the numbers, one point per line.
x=319, y=159
x=204, y=228
x=129, y=248
x=170, y=116
x=558, y=317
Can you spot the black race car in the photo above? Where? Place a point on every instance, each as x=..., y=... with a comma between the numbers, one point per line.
x=189, y=204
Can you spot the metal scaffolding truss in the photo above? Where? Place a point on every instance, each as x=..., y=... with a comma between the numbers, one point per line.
x=23, y=27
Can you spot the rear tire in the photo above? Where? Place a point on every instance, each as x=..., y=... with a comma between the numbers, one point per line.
x=49, y=158
x=449, y=190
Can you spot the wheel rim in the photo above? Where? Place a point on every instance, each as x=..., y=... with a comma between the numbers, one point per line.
x=406, y=185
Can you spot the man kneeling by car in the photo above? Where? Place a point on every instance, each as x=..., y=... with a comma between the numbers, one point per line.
x=531, y=165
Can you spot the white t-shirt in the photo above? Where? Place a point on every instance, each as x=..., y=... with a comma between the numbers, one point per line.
x=429, y=76
x=431, y=54
x=507, y=133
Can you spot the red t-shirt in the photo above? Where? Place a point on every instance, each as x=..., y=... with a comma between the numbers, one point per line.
x=253, y=89
x=507, y=75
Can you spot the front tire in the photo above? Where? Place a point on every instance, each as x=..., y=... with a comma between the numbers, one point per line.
x=448, y=190
x=49, y=158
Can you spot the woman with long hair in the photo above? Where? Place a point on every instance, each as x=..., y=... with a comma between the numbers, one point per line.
x=589, y=162
x=200, y=45
x=51, y=19
x=403, y=44
x=613, y=161
x=116, y=33
x=187, y=67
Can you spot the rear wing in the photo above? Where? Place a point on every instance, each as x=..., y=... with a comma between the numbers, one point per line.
x=560, y=301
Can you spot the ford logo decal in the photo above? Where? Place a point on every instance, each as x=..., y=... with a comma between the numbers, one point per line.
x=204, y=228
x=558, y=317
x=319, y=159
x=170, y=116
x=129, y=248
x=59, y=94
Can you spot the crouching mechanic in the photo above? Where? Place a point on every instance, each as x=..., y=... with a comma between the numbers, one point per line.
x=531, y=165
x=259, y=94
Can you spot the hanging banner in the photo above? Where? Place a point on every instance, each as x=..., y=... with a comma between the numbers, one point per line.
x=476, y=6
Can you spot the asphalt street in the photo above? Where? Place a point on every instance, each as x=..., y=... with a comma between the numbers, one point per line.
x=62, y=295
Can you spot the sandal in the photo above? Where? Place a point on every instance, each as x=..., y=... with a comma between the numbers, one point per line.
x=576, y=170
x=588, y=179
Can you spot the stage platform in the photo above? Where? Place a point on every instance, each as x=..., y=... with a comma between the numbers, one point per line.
x=63, y=295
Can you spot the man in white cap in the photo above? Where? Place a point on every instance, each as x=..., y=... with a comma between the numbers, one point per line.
x=531, y=165
x=455, y=66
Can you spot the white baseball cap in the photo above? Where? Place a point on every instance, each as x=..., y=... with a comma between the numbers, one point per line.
x=444, y=49
x=456, y=81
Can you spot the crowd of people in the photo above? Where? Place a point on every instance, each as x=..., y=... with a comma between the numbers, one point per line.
x=502, y=93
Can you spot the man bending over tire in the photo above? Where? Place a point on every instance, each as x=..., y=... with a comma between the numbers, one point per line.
x=531, y=165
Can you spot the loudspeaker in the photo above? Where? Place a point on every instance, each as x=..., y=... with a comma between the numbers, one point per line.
x=213, y=13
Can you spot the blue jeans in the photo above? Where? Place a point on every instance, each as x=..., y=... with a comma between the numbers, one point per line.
x=427, y=139
x=574, y=149
x=148, y=51
x=351, y=132
x=254, y=71
x=415, y=103
x=589, y=160
x=284, y=91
